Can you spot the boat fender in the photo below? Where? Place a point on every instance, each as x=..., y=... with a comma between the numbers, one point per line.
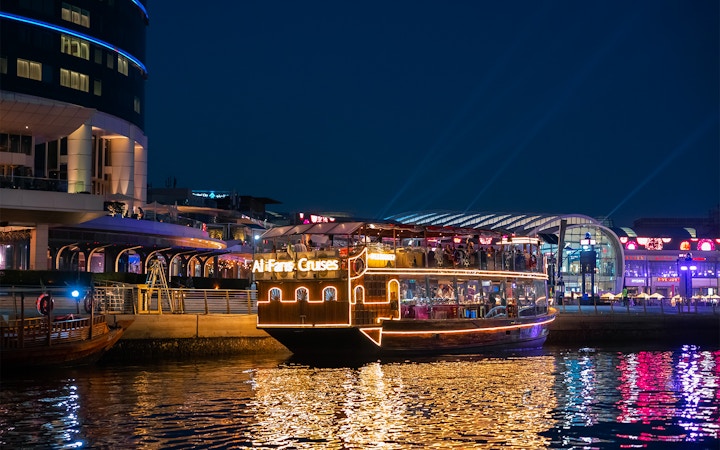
x=44, y=304
x=88, y=302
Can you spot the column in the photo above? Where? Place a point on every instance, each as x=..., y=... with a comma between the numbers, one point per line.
x=123, y=160
x=39, y=247
x=80, y=160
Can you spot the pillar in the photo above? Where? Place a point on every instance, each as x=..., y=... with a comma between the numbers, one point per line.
x=140, y=173
x=123, y=171
x=39, y=248
x=80, y=160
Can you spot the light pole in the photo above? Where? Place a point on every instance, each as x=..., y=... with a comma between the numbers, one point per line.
x=588, y=258
x=685, y=269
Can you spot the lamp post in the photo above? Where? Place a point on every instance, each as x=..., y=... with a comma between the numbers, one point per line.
x=685, y=269
x=588, y=258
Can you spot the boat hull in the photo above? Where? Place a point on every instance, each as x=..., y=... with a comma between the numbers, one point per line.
x=417, y=337
x=61, y=354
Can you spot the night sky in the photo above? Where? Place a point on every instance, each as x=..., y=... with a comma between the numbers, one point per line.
x=375, y=108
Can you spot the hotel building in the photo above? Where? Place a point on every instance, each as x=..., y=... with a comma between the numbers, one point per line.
x=72, y=139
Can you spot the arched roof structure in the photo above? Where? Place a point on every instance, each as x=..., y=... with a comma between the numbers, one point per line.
x=524, y=224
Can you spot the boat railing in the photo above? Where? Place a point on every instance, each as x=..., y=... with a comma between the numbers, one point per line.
x=497, y=311
x=39, y=331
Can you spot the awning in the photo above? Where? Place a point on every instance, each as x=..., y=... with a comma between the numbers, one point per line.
x=326, y=228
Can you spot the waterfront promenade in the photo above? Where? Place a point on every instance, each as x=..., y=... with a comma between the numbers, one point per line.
x=190, y=322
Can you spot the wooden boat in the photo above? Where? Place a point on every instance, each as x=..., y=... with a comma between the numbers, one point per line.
x=49, y=341
x=386, y=289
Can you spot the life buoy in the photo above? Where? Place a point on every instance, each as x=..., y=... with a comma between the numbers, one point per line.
x=358, y=266
x=44, y=304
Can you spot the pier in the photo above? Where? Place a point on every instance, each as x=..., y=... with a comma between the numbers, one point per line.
x=185, y=322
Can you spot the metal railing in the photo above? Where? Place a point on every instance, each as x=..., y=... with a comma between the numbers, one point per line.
x=129, y=299
x=639, y=306
x=119, y=298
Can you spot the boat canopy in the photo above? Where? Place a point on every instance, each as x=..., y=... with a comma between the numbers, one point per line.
x=328, y=228
x=373, y=228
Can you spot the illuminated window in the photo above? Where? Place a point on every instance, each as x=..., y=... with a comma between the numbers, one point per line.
x=75, y=46
x=359, y=296
x=29, y=69
x=110, y=61
x=301, y=294
x=330, y=294
x=122, y=64
x=97, y=88
x=75, y=15
x=136, y=105
x=274, y=295
x=74, y=80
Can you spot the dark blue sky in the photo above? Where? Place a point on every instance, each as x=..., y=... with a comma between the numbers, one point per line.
x=381, y=107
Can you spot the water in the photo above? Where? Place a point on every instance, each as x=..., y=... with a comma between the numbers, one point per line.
x=579, y=398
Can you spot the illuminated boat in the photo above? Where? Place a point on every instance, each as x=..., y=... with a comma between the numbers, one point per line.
x=358, y=288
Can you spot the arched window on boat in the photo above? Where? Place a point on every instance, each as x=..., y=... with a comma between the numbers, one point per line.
x=330, y=294
x=301, y=294
x=393, y=291
x=274, y=294
x=359, y=294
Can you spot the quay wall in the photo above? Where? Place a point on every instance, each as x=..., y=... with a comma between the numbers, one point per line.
x=601, y=329
x=149, y=337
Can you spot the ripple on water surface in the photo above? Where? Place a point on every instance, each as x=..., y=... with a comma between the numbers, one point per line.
x=556, y=399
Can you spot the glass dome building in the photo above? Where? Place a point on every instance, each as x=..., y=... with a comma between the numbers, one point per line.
x=581, y=255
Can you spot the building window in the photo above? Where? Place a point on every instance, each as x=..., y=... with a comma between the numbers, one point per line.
x=98, y=56
x=110, y=61
x=3, y=65
x=76, y=15
x=122, y=65
x=136, y=105
x=74, y=80
x=97, y=88
x=74, y=46
x=29, y=69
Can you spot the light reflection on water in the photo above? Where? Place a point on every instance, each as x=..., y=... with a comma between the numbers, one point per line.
x=557, y=399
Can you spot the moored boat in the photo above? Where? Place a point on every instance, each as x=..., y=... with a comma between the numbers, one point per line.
x=50, y=341
x=360, y=288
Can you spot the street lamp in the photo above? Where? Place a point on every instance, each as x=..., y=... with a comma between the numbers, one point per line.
x=685, y=269
x=588, y=258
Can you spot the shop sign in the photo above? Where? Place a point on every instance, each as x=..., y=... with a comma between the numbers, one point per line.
x=668, y=279
x=302, y=265
x=635, y=282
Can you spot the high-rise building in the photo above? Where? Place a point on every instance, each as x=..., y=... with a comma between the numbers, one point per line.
x=72, y=117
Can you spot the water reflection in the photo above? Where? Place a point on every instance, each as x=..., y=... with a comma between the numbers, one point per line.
x=556, y=399
x=445, y=403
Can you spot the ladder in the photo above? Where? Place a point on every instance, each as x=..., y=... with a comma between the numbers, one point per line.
x=156, y=280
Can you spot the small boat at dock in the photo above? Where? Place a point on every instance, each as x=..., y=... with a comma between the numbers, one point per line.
x=55, y=341
x=367, y=288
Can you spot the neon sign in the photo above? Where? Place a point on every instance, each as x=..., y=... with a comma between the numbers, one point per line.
x=302, y=265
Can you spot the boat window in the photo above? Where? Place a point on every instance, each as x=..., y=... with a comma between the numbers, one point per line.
x=275, y=294
x=393, y=290
x=301, y=294
x=330, y=294
x=359, y=296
